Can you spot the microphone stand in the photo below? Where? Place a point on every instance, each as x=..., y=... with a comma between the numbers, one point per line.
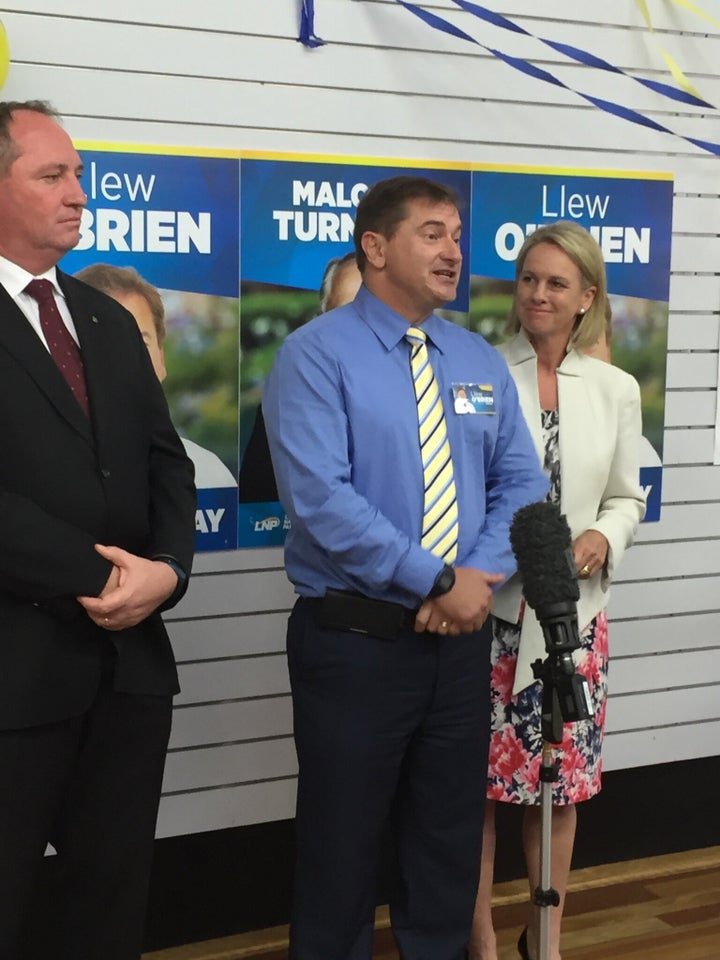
x=566, y=699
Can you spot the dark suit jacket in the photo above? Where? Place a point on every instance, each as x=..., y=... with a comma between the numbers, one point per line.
x=66, y=483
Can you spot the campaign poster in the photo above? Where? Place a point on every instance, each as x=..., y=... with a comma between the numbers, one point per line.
x=175, y=220
x=630, y=216
x=297, y=220
x=244, y=248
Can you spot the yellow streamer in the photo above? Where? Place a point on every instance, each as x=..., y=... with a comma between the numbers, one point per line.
x=4, y=55
x=694, y=8
x=677, y=74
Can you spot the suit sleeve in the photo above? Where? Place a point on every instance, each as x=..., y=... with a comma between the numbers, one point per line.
x=623, y=504
x=172, y=488
x=171, y=494
x=43, y=557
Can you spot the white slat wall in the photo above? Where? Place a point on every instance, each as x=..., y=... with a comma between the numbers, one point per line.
x=230, y=74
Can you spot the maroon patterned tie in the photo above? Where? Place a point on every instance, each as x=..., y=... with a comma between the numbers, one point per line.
x=65, y=352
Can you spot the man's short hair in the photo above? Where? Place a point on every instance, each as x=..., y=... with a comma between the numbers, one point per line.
x=9, y=151
x=109, y=279
x=383, y=207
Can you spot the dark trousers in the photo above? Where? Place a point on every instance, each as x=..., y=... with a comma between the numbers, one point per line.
x=90, y=785
x=387, y=731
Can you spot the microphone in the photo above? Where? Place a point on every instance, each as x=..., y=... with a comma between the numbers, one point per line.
x=541, y=541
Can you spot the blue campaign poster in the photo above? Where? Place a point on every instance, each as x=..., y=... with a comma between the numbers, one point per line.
x=630, y=216
x=239, y=245
x=175, y=220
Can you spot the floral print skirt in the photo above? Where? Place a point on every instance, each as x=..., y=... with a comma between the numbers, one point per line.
x=516, y=739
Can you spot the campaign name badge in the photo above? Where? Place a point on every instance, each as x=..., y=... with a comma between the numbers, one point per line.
x=473, y=398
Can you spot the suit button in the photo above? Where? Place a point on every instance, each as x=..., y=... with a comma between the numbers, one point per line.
x=105, y=473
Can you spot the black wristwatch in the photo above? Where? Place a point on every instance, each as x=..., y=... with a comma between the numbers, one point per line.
x=444, y=582
x=179, y=573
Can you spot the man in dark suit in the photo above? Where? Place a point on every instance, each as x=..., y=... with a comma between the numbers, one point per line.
x=96, y=535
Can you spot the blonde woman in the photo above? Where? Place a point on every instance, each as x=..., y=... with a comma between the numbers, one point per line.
x=584, y=417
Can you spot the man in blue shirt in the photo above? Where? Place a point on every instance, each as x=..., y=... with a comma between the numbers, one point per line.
x=388, y=644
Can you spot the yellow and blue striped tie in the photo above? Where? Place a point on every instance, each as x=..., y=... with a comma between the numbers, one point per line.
x=440, y=512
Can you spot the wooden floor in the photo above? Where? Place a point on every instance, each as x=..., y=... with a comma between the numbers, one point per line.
x=664, y=908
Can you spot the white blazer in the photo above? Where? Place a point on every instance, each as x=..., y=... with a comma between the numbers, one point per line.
x=600, y=431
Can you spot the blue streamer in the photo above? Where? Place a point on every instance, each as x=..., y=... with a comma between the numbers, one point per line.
x=482, y=13
x=307, y=25
x=625, y=113
x=582, y=56
x=674, y=93
x=438, y=23
x=530, y=69
x=705, y=145
x=616, y=109
x=590, y=60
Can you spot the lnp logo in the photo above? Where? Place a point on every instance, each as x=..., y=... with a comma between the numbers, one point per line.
x=268, y=523
x=263, y=524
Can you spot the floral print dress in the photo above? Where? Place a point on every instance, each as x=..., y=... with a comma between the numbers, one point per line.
x=516, y=738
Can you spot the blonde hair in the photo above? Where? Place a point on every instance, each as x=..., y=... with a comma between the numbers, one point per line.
x=585, y=253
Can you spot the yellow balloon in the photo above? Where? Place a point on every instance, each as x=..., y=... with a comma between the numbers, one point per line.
x=4, y=56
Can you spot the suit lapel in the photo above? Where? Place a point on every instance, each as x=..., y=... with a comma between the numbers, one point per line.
x=19, y=339
x=522, y=361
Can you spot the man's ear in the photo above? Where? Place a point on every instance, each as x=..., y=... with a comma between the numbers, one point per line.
x=373, y=245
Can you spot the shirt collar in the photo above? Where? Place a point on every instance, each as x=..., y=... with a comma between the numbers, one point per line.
x=390, y=327
x=15, y=278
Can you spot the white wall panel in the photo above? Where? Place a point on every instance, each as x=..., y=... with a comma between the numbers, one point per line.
x=231, y=75
x=696, y=253
x=688, y=446
x=218, y=595
x=237, y=561
x=636, y=711
x=691, y=292
x=692, y=331
x=213, y=680
x=658, y=634
x=229, y=636
x=683, y=521
x=695, y=408
x=259, y=718
x=665, y=597
x=682, y=484
x=671, y=559
x=686, y=741
x=200, y=810
x=691, y=369
x=230, y=763
x=666, y=671
x=697, y=216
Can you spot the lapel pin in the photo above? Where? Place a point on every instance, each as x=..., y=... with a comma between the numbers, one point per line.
x=95, y=320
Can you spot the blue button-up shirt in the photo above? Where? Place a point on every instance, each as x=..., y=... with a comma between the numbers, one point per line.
x=341, y=419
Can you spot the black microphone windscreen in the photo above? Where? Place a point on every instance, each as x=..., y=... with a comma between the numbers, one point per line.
x=541, y=541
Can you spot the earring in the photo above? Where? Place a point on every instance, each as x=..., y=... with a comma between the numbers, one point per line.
x=582, y=311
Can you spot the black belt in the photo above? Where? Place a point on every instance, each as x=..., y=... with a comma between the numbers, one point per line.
x=344, y=610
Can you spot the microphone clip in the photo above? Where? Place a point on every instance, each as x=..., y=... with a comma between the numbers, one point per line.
x=566, y=695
